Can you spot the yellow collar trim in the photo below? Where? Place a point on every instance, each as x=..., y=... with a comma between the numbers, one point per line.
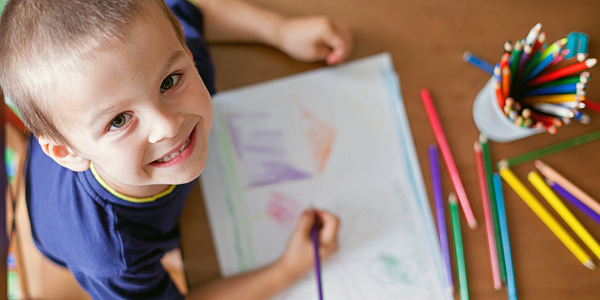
x=125, y=197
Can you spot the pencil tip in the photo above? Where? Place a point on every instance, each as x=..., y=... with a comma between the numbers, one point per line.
x=503, y=164
x=466, y=56
x=473, y=225
x=476, y=146
x=452, y=198
x=590, y=265
x=482, y=138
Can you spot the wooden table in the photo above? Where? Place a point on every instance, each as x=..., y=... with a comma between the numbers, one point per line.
x=427, y=39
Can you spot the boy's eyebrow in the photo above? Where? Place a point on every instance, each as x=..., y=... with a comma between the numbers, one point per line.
x=175, y=56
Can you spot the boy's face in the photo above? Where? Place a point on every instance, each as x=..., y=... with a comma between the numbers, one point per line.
x=139, y=111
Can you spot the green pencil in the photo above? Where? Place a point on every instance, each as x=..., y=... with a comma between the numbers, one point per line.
x=564, y=145
x=516, y=57
x=487, y=164
x=458, y=248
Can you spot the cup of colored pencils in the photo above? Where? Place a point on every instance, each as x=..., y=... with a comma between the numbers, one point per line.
x=535, y=87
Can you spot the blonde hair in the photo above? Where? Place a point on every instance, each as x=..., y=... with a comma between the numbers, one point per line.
x=43, y=40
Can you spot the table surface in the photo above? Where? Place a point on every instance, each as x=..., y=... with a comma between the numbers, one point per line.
x=426, y=40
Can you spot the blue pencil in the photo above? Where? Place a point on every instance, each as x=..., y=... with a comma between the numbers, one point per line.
x=568, y=88
x=573, y=200
x=511, y=288
x=315, y=239
x=540, y=67
x=478, y=62
x=438, y=202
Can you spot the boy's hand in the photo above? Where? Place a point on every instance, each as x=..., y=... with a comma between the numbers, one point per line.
x=315, y=38
x=298, y=257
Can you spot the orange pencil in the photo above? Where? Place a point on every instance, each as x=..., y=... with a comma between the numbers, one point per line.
x=546, y=77
x=506, y=81
x=438, y=132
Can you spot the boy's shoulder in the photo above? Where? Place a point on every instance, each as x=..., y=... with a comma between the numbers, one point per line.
x=80, y=225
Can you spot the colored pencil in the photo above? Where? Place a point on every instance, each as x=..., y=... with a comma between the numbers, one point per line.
x=591, y=105
x=539, y=67
x=511, y=288
x=574, y=201
x=539, y=42
x=440, y=137
x=516, y=57
x=549, y=76
x=489, y=224
x=551, y=98
x=551, y=174
x=506, y=81
x=564, y=212
x=567, y=88
x=553, y=109
x=547, y=218
x=554, y=48
x=487, y=166
x=438, y=202
x=539, y=153
x=531, y=63
x=478, y=62
x=315, y=241
x=583, y=78
x=582, y=117
x=458, y=248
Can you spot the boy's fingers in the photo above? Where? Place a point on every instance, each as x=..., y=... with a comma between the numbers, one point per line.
x=329, y=230
x=305, y=222
x=339, y=40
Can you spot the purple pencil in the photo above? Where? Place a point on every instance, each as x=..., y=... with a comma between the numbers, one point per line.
x=439, y=214
x=573, y=200
x=315, y=239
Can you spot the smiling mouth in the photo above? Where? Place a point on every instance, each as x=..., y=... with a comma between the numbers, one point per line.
x=171, y=156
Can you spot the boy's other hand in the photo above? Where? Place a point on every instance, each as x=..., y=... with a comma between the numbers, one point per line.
x=298, y=257
x=315, y=38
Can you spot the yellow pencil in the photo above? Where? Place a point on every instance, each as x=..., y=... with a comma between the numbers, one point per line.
x=546, y=217
x=559, y=98
x=564, y=212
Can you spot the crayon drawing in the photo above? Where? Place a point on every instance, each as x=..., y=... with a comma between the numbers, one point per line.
x=336, y=139
x=269, y=153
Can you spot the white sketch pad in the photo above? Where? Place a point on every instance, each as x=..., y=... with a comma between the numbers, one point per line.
x=337, y=138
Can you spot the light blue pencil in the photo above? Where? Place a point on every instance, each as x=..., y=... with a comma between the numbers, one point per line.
x=511, y=289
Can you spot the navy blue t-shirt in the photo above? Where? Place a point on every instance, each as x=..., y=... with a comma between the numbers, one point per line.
x=112, y=246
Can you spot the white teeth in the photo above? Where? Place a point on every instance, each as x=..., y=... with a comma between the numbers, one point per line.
x=174, y=154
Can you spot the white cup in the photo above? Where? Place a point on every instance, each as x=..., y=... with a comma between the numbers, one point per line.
x=491, y=120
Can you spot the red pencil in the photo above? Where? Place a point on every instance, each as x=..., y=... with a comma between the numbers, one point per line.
x=487, y=213
x=438, y=132
x=546, y=77
x=539, y=42
x=591, y=105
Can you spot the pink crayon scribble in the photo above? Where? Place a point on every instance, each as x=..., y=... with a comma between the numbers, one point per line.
x=283, y=208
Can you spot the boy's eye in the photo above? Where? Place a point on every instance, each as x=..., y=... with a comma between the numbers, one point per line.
x=119, y=121
x=169, y=82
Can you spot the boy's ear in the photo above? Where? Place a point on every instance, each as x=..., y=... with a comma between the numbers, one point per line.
x=64, y=155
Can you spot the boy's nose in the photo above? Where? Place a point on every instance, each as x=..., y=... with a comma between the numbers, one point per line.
x=164, y=125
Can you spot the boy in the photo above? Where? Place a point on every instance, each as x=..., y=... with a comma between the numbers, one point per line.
x=117, y=96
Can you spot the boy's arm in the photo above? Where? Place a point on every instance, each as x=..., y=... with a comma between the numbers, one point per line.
x=305, y=39
x=267, y=282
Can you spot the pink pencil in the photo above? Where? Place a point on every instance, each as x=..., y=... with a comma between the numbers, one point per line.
x=448, y=159
x=487, y=213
